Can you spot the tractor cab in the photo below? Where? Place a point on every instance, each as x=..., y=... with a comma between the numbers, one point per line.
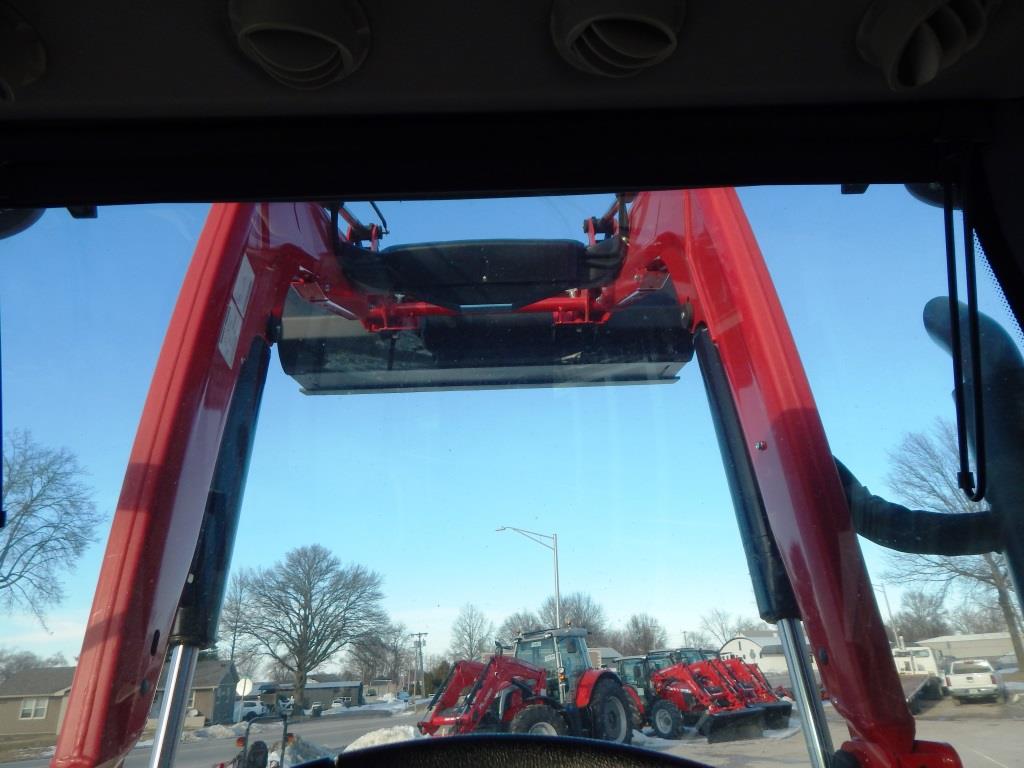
x=635, y=671
x=690, y=655
x=563, y=653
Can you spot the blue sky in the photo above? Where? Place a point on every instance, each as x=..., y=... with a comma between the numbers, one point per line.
x=414, y=485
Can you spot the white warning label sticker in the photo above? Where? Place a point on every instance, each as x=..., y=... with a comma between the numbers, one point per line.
x=243, y=286
x=229, y=332
x=232, y=328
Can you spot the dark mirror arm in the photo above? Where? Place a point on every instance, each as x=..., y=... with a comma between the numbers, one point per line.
x=917, y=531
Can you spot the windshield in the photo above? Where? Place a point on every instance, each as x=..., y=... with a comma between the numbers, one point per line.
x=459, y=403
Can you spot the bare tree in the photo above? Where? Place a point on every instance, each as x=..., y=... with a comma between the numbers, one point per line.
x=308, y=608
x=518, y=622
x=385, y=653
x=51, y=519
x=580, y=610
x=472, y=634
x=242, y=650
x=641, y=634
x=696, y=639
x=922, y=615
x=923, y=475
x=977, y=615
x=13, y=662
x=721, y=625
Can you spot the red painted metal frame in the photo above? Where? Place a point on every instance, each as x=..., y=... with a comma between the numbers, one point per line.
x=156, y=525
x=704, y=239
x=699, y=239
x=488, y=679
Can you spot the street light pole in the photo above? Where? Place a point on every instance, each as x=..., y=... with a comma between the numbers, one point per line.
x=543, y=539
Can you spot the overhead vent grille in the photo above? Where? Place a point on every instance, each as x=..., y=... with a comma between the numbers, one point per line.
x=304, y=44
x=616, y=38
x=912, y=41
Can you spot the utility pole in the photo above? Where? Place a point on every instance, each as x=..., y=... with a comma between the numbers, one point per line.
x=419, y=652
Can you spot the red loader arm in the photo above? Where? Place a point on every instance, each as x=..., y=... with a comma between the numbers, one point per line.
x=482, y=684
x=233, y=295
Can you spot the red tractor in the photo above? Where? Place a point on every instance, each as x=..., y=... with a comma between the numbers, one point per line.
x=677, y=694
x=548, y=688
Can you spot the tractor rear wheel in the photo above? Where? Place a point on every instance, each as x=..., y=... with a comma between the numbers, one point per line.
x=666, y=720
x=610, y=713
x=539, y=720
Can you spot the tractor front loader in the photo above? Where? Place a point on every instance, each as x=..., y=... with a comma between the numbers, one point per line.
x=501, y=694
x=748, y=680
x=666, y=277
x=549, y=688
x=689, y=694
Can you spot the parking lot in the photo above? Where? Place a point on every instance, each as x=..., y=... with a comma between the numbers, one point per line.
x=986, y=735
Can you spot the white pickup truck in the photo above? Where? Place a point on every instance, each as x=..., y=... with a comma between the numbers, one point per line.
x=972, y=679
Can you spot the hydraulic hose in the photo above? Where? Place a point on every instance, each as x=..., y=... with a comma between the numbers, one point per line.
x=915, y=530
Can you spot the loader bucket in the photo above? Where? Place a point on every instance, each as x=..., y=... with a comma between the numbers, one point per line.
x=732, y=726
x=776, y=714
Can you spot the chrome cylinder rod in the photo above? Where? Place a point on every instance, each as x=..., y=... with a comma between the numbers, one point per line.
x=805, y=689
x=180, y=671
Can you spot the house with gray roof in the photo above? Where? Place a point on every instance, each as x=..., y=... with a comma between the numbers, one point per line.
x=32, y=702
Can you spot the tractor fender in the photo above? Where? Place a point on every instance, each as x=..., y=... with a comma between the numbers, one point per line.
x=588, y=681
x=635, y=698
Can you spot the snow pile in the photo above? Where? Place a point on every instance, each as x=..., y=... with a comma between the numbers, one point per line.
x=299, y=751
x=393, y=707
x=220, y=732
x=48, y=752
x=390, y=735
x=641, y=739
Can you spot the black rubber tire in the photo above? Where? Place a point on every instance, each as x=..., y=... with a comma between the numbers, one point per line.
x=539, y=720
x=610, y=713
x=666, y=720
x=636, y=715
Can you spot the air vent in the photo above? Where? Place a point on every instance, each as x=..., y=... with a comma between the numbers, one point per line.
x=616, y=38
x=304, y=44
x=912, y=41
x=22, y=55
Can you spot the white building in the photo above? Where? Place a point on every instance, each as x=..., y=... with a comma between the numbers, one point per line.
x=989, y=645
x=761, y=647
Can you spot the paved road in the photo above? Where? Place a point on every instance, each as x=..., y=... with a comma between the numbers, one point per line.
x=984, y=735
x=335, y=733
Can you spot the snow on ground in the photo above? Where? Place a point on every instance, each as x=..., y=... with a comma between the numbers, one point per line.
x=299, y=751
x=219, y=732
x=784, y=733
x=394, y=707
x=390, y=735
x=641, y=739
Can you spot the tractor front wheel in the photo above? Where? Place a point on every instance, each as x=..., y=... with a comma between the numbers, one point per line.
x=539, y=720
x=666, y=720
x=610, y=713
